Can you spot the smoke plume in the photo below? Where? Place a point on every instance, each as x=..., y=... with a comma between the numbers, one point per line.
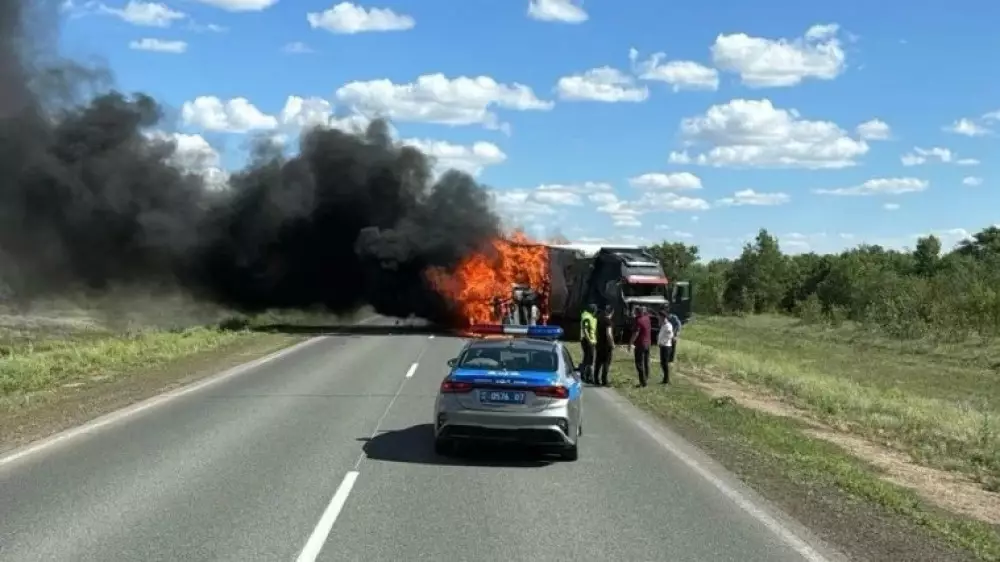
x=89, y=199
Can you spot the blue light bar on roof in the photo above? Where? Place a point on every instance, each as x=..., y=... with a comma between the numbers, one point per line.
x=512, y=330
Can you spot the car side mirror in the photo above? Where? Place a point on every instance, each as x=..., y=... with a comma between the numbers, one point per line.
x=452, y=362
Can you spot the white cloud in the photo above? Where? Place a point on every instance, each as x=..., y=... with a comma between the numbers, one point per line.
x=968, y=128
x=348, y=18
x=210, y=27
x=763, y=63
x=194, y=154
x=470, y=159
x=148, y=14
x=572, y=194
x=301, y=113
x=158, y=46
x=680, y=74
x=240, y=5
x=618, y=239
x=521, y=204
x=604, y=84
x=681, y=180
x=627, y=213
x=435, y=98
x=953, y=235
x=237, y=115
x=943, y=155
x=297, y=47
x=880, y=186
x=992, y=116
x=751, y=197
x=875, y=129
x=796, y=242
x=972, y=181
x=891, y=206
x=753, y=133
x=627, y=221
x=549, y=201
x=565, y=11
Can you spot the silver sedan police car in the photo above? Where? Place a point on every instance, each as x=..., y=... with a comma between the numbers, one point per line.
x=524, y=390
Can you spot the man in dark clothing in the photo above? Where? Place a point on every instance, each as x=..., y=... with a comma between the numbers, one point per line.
x=642, y=338
x=605, y=346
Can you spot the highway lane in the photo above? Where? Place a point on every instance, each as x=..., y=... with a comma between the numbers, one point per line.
x=325, y=454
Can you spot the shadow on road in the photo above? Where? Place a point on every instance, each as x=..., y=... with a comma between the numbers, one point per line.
x=416, y=445
x=355, y=330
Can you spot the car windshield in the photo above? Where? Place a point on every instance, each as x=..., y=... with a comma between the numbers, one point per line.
x=643, y=290
x=508, y=359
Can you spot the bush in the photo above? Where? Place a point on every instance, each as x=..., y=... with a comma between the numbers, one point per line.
x=902, y=294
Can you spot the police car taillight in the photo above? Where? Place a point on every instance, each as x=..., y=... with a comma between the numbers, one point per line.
x=453, y=387
x=551, y=391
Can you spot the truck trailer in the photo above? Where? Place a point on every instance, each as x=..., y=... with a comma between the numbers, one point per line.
x=623, y=276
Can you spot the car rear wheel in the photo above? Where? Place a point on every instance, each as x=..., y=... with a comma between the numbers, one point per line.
x=571, y=453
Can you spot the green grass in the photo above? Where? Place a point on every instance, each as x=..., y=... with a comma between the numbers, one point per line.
x=938, y=402
x=780, y=445
x=27, y=370
x=45, y=351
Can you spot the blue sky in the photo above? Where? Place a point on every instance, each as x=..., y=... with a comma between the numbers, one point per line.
x=828, y=124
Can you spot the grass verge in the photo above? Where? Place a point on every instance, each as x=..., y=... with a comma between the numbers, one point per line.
x=775, y=456
x=938, y=403
x=57, y=372
x=846, y=500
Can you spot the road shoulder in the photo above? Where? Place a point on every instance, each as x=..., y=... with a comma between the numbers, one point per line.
x=43, y=414
x=841, y=499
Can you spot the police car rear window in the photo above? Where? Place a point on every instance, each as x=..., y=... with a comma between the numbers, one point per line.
x=505, y=359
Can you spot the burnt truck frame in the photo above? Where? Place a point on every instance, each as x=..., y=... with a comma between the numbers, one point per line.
x=622, y=276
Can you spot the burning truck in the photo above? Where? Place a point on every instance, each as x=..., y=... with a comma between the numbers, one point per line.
x=511, y=275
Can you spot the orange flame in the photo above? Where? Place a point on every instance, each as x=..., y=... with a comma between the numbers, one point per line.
x=482, y=278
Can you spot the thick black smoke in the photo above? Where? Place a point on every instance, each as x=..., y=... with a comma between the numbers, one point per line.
x=88, y=200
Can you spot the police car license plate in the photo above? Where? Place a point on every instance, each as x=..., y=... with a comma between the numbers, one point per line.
x=501, y=397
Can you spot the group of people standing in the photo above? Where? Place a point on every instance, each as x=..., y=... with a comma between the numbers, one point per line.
x=509, y=312
x=598, y=343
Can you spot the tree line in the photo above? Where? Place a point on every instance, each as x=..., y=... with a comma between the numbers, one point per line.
x=905, y=294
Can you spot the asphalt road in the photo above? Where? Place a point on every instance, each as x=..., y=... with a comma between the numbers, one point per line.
x=325, y=454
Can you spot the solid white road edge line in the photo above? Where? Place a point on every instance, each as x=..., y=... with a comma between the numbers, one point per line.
x=319, y=535
x=411, y=370
x=149, y=403
x=786, y=535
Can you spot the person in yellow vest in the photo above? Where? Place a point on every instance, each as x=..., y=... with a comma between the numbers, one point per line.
x=588, y=341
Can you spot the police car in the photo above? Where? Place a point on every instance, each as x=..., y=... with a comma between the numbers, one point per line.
x=522, y=389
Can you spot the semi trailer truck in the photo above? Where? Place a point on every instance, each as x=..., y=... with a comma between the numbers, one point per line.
x=624, y=277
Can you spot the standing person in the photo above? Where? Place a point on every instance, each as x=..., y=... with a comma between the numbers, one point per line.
x=665, y=341
x=642, y=336
x=534, y=314
x=675, y=321
x=588, y=338
x=605, y=345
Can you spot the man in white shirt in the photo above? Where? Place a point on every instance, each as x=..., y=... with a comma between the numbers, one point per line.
x=665, y=341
